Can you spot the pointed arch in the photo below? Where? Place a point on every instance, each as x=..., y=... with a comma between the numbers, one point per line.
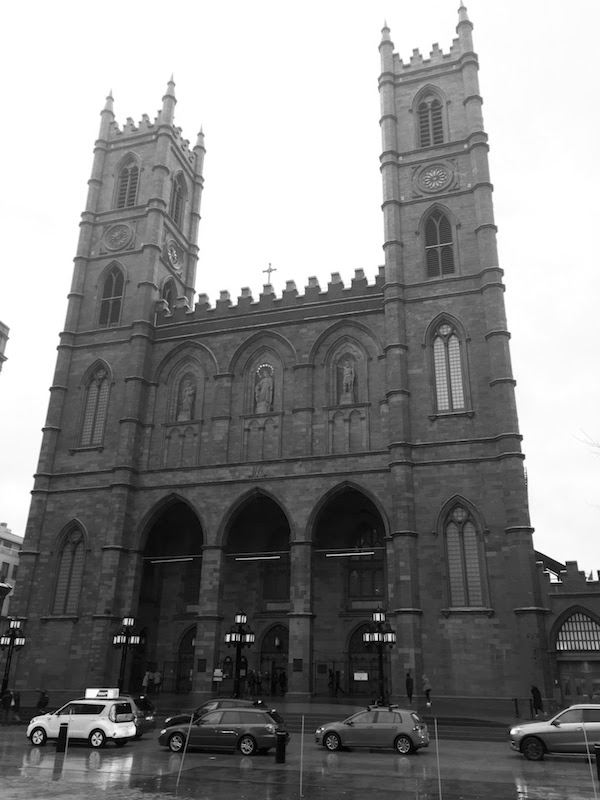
x=169, y=293
x=446, y=343
x=333, y=493
x=238, y=505
x=97, y=383
x=576, y=629
x=157, y=511
x=112, y=283
x=438, y=233
x=429, y=112
x=461, y=526
x=127, y=182
x=178, y=199
x=69, y=569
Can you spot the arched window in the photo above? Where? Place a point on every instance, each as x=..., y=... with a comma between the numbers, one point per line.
x=112, y=299
x=69, y=573
x=127, y=185
x=169, y=294
x=431, y=126
x=439, y=247
x=579, y=632
x=365, y=570
x=448, y=369
x=177, y=200
x=96, y=408
x=465, y=579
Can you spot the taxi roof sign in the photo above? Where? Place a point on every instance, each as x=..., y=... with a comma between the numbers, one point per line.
x=104, y=694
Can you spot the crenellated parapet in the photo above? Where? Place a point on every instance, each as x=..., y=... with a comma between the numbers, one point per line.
x=268, y=300
x=146, y=127
x=570, y=580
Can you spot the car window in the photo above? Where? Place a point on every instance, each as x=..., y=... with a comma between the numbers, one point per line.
x=206, y=707
x=90, y=709
x=416, y=718
x=387, y=717
x=591, y=714
x=143, y=704
x=274, y=715
x=248, y=718
x=364, y=718
x=571, y=715
x=230, y=718
x=68, y=709
x=123, y=708
x=212, y=719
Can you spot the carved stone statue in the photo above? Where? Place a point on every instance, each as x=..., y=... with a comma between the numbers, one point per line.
x=347, y=393
x=263, y=391
x=186, y=406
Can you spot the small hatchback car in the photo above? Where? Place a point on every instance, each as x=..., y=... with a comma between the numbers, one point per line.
x=574, y=730
x=100, y=717
x=391, y=727
x=249, y=730
x=144, y=714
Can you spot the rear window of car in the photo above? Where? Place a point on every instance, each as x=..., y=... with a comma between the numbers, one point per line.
x=123, y=708
x=274, y=715
x=591, y=714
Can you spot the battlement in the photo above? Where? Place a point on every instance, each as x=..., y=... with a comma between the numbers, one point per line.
x=569, y=580
x=268, y=300
x=436, y=57
x=147, y=126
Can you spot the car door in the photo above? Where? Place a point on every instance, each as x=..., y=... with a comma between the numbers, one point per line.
x=72, y=715
x=591, y=723
x=386, y=725
x=204, y=732
x=227, y=729
x=54, y=720
x=565, y=733
x=360, y=731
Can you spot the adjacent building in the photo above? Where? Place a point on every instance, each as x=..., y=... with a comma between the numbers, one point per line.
x=10, y=548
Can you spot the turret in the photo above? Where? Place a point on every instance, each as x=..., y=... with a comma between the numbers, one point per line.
x=169, y=101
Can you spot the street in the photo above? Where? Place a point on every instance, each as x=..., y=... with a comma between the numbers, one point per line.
x=472, y=770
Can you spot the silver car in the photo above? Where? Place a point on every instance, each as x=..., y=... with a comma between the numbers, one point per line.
x=390, y=727
x=574, y=730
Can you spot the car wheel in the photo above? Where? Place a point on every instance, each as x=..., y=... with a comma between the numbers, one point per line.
x=176, y=742
x=404, y=745
x=247, y=746
x=533, y=749
x=332, y=741
x=38, y=737
x=97, y=738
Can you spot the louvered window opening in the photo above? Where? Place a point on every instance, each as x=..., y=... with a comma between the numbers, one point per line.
x=176, y=211
x=431, y=128
x=276, y=580
x=447, y=364
x=128, y=185
x=366, y=573
x=464, y=568
x=69, y=576
x=169, y=294
x=578, y=633
x=439, y=247
x=112, y=298
x=96, y=407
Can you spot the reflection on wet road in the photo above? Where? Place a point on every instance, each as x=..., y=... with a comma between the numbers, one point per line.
x=468, y=771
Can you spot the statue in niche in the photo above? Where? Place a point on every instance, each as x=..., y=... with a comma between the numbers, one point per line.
x=346, y=393
x=263, y=391
x=186, y=405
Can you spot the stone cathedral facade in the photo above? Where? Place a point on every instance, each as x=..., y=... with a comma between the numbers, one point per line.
x=305, y=458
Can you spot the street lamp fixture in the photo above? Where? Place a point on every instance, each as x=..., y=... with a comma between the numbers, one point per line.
x=125, y=640
x=14, y=640
x=380, y=634
x=239, y=635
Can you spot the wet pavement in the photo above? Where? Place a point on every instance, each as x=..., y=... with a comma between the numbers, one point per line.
x=468, y=770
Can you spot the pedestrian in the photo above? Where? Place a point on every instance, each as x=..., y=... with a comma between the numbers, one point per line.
x=427, y=689
x=145, y=682
x=15, y=707
x=259, y=679
x=338, y=678
x=330, y=683
x=409, y=687
x=536, y=701
x=274, y=680
x=42, y=703
x=5, y=704
x=252, y=682
x=283, y=682
x=157, y=681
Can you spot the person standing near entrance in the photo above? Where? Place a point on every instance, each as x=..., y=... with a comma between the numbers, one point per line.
x=427, y=689
x=157, y=681
x=338, y=678
x=536, y=701
x=409, y=687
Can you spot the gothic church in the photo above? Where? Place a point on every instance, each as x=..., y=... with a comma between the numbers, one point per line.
x=304, y=459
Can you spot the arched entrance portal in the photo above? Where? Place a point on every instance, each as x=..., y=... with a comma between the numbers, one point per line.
x=169, y=593
x=256, y=580
x=349, y=580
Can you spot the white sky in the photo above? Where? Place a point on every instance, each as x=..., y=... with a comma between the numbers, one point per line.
x=287, y=95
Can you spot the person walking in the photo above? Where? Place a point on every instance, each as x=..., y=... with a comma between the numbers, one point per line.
x=146, y=682
x=252, y=683
x=410, y=684
x=427, y=689
x=338, y=678
x=330, y=683
x=536, y=701
x=42, y=703
x=6, y=701
x=157, y=681
x=259, y=680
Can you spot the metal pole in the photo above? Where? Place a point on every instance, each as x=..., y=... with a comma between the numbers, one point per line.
x=122, y=670
x=236, y=680
x=381, y=679
x=8, y=660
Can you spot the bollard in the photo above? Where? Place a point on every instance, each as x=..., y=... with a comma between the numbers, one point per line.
x=280, y=747
x=61, y=744
x=597, y=752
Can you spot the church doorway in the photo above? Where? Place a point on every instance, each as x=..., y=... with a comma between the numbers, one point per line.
x=274, y=660
x=169, y=591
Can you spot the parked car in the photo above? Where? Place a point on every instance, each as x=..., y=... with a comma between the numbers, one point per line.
x=574, y=730
x=144, y=713
x=249, y=730
x=378, y=726
x=212, y=705
x=100, y=717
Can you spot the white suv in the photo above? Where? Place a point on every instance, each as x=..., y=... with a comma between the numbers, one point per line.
x=99, y=717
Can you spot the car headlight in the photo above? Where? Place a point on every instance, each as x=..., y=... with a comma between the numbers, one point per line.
x=319, y=730
x=515, y=731
x=164, y=730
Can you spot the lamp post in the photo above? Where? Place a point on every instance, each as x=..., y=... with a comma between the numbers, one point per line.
x=14, y=641
x=124, y=640
x=239, y=635
x=380, y=634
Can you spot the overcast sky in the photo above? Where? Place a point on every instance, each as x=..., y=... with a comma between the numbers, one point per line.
x=287, y=95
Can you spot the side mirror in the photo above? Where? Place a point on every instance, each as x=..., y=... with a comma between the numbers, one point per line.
x=349, y=722
x=555, y=723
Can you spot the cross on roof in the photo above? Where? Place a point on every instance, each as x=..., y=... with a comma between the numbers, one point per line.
x=270, y=270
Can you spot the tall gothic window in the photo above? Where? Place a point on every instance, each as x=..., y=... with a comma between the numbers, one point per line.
x=177, y=200
x=465, y=577
x=127, y=185
x=448, y=370
x=112, y=299
x=431, y=127
x=69, y=573
x=439, y=247
x=366, y=572
x=96, y=408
